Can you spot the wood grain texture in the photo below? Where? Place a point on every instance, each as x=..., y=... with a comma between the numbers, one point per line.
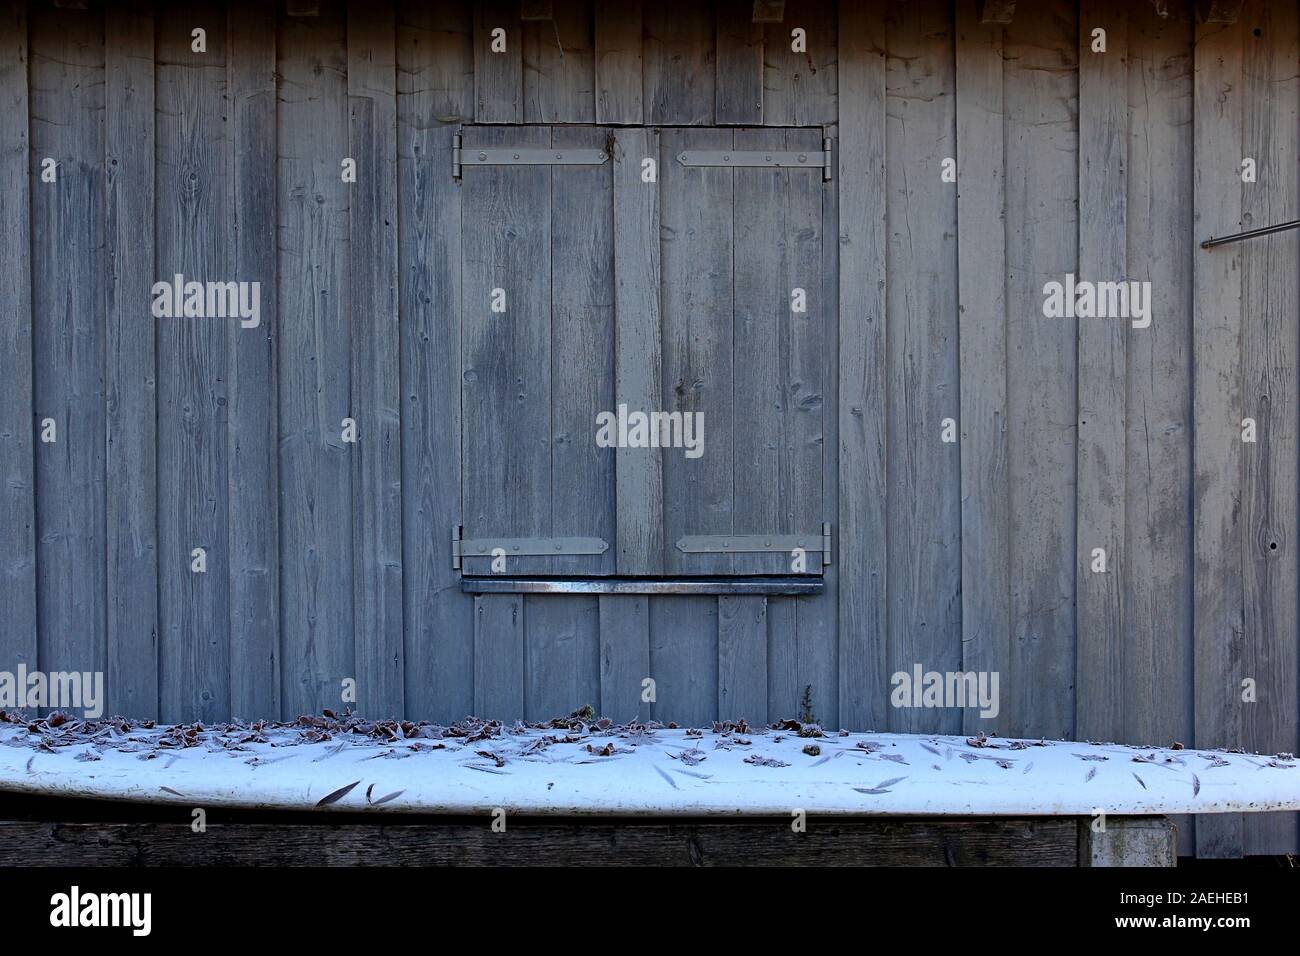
x=561, y=655
x=924, y=472
x=131, y=684
x=569, y=843
x=802, y=88
x=68, y=346
x=506, y=383
x=738, y=92
x=815, y=644
x=253, y=425
x=316, y=499
x=982, y=327
x=583, y=331
x=499, y=654
x=624, y=656
x=559, y=65
x=778, y=353
x=1270, y=357
x=19, y=427
x=680, y=51
x=861, y=542
x=1041, y=52
x=375, y=346
x=1157, y=645
x=499, y=75
x=1102, y=383
x=618, y=62
x=684, y=659
x=638, y=362
x=435, y=79
x=742, y=658
x=698, y=356
x=1217, y=412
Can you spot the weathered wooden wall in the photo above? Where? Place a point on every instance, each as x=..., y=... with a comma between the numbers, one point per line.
x=329, y=560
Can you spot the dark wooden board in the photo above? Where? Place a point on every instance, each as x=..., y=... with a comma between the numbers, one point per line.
x=534, y=842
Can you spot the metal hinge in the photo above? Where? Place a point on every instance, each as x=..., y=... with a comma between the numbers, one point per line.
x=521, y=547
x=758, y=543
x=521, y=156
x=789, y=159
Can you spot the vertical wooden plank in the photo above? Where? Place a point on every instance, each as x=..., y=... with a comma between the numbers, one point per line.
x=638, y=360
x=562, y=654
x=816, y=619
x=131, y=684
x=68, y=346
x=506, y=384
x=498, y=70
x=1157, y=645
x=1270, y=357
x=924, y=486
x=624, y=656
x=376, y=400
x=18, y=425
x=193, y=182
x=738, y=95
x=801, y=88
x=582, y=350
x=679, y=73
x=698, y=344
x=861, y=544
x=314, y=360
x=1040, y=48
x=684, y=659
x=1217, y=412
x=618, y=62
x=499, y=656
x=1102, y=386
x=559, y=66
x=742, y=658
x=435, y=79
x=253, y=433
x=982, y=327
x=777, y=352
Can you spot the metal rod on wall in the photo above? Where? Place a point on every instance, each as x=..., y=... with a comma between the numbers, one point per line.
x=1250, y=234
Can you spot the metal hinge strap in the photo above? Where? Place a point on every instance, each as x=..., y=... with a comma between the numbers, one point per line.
x=758, y=158
x=521, y=547
x=522, y=156
x=758, y=543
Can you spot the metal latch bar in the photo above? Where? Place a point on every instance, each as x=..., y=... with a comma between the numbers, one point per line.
x=758, y=543
x=757, y=158
x=521, y=156
x=522, y=547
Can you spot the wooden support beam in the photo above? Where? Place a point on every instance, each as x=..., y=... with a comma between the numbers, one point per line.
x=1129, y=841
x=769, y=11
x=552, y=842
x=1218, y=11
x=997, y=11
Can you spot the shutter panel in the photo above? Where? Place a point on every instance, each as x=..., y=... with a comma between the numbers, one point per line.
x=535, y=375
x=698, y=294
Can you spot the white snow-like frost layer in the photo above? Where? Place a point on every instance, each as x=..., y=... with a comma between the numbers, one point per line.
x=640, y=771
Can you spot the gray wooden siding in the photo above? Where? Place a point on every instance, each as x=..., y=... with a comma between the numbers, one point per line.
x=328, y=560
